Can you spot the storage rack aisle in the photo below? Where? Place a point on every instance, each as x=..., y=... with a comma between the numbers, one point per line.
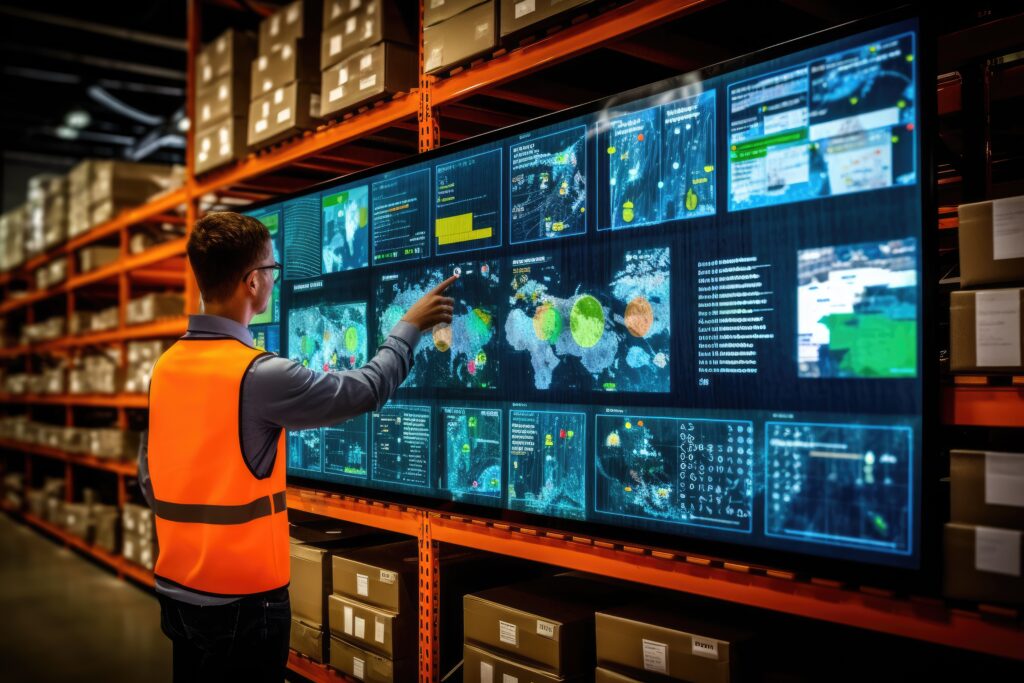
x=463, y=101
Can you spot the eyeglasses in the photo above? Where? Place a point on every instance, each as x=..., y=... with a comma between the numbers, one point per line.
x=276, y=267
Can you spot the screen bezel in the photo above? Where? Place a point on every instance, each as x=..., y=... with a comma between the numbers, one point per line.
x=930, y=470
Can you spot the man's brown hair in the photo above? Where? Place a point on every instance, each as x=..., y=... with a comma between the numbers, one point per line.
x=223, y=247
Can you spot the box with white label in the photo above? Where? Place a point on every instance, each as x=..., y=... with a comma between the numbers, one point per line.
x=297, y=60
x=484, y=666
x=986, y=330
x=376, y=72
x=436, y=11
x=299, y=19
x=520, y=15
x=547, y=624
x=228, y=55
x=987, y=488
x=983, y=564
x=225, y=99
x=461, y=39
x=372, y=22
x=387, y=633
x=992, y=242
x=368, y=667
x=385, y=576
x=220, y=145
x=283, y=113
x=645, y=640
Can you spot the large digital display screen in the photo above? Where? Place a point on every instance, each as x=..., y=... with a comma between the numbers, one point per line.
x=693, y=310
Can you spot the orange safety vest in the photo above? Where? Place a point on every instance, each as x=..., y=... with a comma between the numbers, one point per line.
x=221, y=530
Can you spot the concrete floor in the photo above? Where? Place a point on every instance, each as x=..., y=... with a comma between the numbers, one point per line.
x=64, y=618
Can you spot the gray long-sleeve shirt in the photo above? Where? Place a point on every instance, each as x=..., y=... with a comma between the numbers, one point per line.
x=278, y=393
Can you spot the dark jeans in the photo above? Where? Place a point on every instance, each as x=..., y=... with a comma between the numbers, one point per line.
x=245, y=640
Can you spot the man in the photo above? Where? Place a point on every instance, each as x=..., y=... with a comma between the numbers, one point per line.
x=213, y=463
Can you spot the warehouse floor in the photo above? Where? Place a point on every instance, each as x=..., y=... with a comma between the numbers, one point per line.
x=64, y=618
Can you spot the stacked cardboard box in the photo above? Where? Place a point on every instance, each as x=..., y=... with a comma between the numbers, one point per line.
x=53, y=500
x=52, y=274
x=12, y=238
x=642, y=641
x=540, y=630
x=986, y=326
x=366, y=52
x=46, y=225
x=97, y=373
x=118, y=185
x=80, y=198
x=519, y=16
x=47, y=330
x=139, y=539
x=285, y=97
x=105, y=527
x=984, y=536
x=152, y=307
x=141, y=357
x=106, y=319
x=311, y=582
x=93, y=258
x=222, y=96
x=457, y=31
x=14, y=489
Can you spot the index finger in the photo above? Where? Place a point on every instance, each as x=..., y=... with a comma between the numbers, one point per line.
x=444, y=285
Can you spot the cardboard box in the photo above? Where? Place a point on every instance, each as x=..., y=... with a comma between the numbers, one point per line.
x=296, y=61
x=308, y=640
x=152, y=307
x=127, y=183
x=986, y=330
x=983, y=564
x=78, y=520
x=602, y=675
x=228, y=55
x=283, y=113
x=137, y=521
x=992, y=242
x=366, y=76
x=547, y=623
x=987, y=488
x=220, y=145
x=483, y=666
x=641, y=640
x=519, y=15
x=385, y=576
x=368, y=667
x=311, y=575
x=105, y=535
x=436, y=11
x=372, y=23
x=222, y=100
x=92, y=258
x=460, y=39
x=386, y=633
x=80, y=178
x=299, y=19
x=106, y=319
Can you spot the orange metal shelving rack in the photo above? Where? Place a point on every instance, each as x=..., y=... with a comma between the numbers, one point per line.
x=987, y=630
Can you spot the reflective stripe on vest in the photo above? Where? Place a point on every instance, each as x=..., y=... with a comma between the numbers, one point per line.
x=220, y=529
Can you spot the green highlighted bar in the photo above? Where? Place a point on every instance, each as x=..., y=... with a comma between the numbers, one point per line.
x=756, y=149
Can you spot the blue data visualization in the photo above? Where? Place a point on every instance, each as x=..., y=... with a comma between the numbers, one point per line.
x=547, y=461
x=608, y=333
x=403, y=446
x=463, y=354
x=467, y=203
x=845, y=485
x=660, y=162
x=840, y=123
x=346, y=224
x=401, y=216
x=548, y=183
x=473, y=453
